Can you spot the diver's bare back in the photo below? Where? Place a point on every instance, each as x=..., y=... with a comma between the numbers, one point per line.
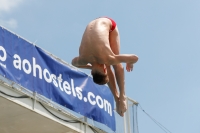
x=95, y=47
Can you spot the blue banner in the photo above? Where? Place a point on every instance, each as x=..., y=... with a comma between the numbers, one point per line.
x=34, y=69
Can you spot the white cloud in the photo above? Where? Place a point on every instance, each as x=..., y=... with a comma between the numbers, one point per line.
x=8, y=5
x=12, y=23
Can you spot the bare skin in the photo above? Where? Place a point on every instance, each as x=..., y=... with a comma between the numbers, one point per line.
x=99, y=51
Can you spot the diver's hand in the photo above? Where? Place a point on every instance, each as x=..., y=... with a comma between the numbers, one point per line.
x=129, y=67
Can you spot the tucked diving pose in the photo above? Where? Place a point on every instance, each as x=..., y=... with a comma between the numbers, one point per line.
x=100, y=51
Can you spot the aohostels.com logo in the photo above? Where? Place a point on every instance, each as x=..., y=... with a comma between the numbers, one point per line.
x=43, y=73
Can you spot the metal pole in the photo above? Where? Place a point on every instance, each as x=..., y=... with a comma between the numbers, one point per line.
x=128, y=117
x=125, y=124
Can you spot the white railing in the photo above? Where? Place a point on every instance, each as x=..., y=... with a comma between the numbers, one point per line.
x=126, y=124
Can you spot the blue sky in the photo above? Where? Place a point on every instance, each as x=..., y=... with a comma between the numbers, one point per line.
x=164, y=34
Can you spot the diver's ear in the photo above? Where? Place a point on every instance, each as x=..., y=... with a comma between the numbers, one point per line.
x=105, y=69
